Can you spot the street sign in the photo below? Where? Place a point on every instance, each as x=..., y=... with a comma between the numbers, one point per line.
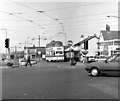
x=69, y=42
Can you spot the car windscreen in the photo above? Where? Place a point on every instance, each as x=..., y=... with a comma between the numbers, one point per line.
x=112, y=57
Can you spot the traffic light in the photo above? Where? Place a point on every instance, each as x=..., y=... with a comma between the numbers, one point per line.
x=86, y=45
x=98, y=53
x=7, y=43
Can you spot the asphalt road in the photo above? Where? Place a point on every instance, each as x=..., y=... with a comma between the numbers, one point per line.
x=56, y=81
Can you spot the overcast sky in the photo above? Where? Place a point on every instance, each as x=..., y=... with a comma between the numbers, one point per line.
x=25, y=19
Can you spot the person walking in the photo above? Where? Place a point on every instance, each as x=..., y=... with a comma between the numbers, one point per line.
x=28, y=61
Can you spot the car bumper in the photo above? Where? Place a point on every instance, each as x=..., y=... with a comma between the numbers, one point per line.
x=87, y=69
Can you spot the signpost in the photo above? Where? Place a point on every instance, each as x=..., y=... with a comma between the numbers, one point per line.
x=69, y=42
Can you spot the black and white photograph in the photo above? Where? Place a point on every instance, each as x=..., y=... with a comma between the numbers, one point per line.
x=59, y=50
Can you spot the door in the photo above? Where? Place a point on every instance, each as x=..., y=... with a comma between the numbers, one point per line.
x=112, y=64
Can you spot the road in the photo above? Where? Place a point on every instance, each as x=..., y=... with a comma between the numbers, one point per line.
x=56, y=81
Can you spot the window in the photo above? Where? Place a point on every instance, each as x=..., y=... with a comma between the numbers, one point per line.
x=117, y=58
x=111, y=58
x=114, y=58
x=59, y=52
x=116, y=42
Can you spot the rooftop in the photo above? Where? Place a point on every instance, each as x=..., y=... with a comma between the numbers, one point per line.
x=110, y=35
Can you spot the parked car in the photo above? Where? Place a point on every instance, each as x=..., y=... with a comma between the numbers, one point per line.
x=9, y=62
x=22, y=62
x=110, y=65
x=33, y=61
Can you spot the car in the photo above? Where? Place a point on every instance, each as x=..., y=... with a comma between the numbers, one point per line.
x=100, y=58
x=9, y=62
x=33, y=61
x=22, y=62
x=110, y=65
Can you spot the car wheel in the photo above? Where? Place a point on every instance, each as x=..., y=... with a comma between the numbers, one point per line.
x=95, y=72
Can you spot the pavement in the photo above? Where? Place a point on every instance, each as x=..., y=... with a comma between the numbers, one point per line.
x=62, y=65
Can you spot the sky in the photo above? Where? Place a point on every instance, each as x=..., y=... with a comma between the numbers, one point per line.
x=26, y=20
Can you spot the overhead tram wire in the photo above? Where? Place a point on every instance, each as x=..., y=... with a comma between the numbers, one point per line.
x=85, y=23
x=57, y=9
x=81, y=16
x=84, y=15
x=43, y=12
x=66, y=23
x=72, y=7
x=39, y=11
x=12, y=14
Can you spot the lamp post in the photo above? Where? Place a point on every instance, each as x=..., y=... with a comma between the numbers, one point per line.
x=8, y=47
x=113, y=16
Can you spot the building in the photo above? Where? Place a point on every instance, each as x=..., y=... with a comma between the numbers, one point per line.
x=81, y=48
x=109, y=42
x=34, y=51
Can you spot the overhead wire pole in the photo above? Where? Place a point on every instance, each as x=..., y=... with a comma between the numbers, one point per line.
x=6, y=36
x=39, y=40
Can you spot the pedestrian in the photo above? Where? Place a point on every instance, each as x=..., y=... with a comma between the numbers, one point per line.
x=28, y=60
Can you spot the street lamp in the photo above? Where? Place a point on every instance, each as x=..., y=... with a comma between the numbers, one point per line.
x=113, y=16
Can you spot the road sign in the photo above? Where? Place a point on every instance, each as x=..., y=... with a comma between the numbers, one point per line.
x=70, y=42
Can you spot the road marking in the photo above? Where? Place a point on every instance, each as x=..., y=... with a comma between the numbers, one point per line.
x=106, y=89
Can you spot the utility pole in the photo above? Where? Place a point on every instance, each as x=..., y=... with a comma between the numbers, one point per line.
x=6, y=36
x=39, y=40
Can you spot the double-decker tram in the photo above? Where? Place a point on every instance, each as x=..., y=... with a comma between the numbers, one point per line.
x=55, y=51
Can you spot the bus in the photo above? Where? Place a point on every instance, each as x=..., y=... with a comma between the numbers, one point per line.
x=54, y=51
